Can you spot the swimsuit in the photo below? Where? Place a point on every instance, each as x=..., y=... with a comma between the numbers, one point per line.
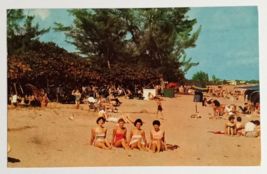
x=135, y=138
x=159, y=108
x=113, y=119
x=77, y=97
x=99, y=136
x=119, y=136
x=157, y=136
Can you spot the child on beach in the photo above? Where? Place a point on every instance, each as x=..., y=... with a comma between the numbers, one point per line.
x=239, y=127
x=230, y=126
x=159, y=109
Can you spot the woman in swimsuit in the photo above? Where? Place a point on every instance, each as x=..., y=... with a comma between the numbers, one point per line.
x=157, y=138
x=119, y=133
x=109, y=118
x=77, y=95
x=137, y=137
x=99, y=135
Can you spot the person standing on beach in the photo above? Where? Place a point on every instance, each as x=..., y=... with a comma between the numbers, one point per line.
x=78, y=96
x=159, y=109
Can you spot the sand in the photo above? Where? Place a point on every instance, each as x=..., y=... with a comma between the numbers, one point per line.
x=47, y=138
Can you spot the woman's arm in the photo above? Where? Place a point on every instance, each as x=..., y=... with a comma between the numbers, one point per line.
x=73, y=93
x=130, y=137
x=92, y=136
x=113, y=135
x=144, y=138
x=164, y=141
x=126, y=136
x=151, y=140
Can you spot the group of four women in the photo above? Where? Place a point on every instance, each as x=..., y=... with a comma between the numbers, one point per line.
x=136, y=140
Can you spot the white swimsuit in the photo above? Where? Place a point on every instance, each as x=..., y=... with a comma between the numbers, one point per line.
x=135, y=138
x=113, y=119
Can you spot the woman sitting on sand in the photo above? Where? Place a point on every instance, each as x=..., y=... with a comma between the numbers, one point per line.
x=137, y=137
x=120, y=133
x=99, y=135
x=157, y=138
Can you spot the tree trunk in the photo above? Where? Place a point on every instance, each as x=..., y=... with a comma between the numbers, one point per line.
x=162, y=82
x=108, y=64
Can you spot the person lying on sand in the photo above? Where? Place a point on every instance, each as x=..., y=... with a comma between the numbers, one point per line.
x=109, y=118
x=157, y=138
x=119, y=133
x=230, y=126
x=99, y=135
x=137, y=138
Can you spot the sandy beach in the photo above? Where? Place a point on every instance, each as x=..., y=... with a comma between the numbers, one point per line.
x=48, y=138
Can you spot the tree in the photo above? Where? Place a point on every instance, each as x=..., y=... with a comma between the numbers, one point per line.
x=158, y=38
x=201, y=76
x=21, y=35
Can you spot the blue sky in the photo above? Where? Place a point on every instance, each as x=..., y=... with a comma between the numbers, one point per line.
x=227, y=45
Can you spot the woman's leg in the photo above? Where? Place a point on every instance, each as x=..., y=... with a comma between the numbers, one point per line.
x=232, y=132
x=129, y=119
x=101, y=145
x=228, y=131
x=153, y=147
x=118, y=143
x=78, y=105
x=134, y=145
x=125, y=145
x=107, y=143
x=139, y=145
x=158, y=145
x=143, y=147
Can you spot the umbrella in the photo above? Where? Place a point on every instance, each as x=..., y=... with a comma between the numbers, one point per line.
x=172, y=85
x=201, y=88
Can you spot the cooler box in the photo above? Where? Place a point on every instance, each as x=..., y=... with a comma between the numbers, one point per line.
x=168, y=93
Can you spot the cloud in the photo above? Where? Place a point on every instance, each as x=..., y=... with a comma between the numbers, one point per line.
x=43, y=13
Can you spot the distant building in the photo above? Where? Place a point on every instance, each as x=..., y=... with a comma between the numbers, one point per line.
x=242, y=82
x=232, y=82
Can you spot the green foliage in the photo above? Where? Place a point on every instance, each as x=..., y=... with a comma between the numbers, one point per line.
x=158, y=38
x=20, y=36
x=201, y=76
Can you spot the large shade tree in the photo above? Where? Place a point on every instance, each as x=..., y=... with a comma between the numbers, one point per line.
x=152, y=38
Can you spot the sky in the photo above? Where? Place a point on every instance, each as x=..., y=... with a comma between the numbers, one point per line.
x=227, y=47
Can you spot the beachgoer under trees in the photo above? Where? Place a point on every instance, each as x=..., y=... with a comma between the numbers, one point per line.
x=119, y=136
x=129, y=93
x=157, y=138
x=98, y=137
x=112, y=98
x=230, y=126
x=137, y=139
x=78, y=96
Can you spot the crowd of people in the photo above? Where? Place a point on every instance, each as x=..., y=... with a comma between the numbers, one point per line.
x=250, y=129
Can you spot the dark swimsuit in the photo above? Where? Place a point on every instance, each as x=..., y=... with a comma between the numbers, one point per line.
x=159, y=108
